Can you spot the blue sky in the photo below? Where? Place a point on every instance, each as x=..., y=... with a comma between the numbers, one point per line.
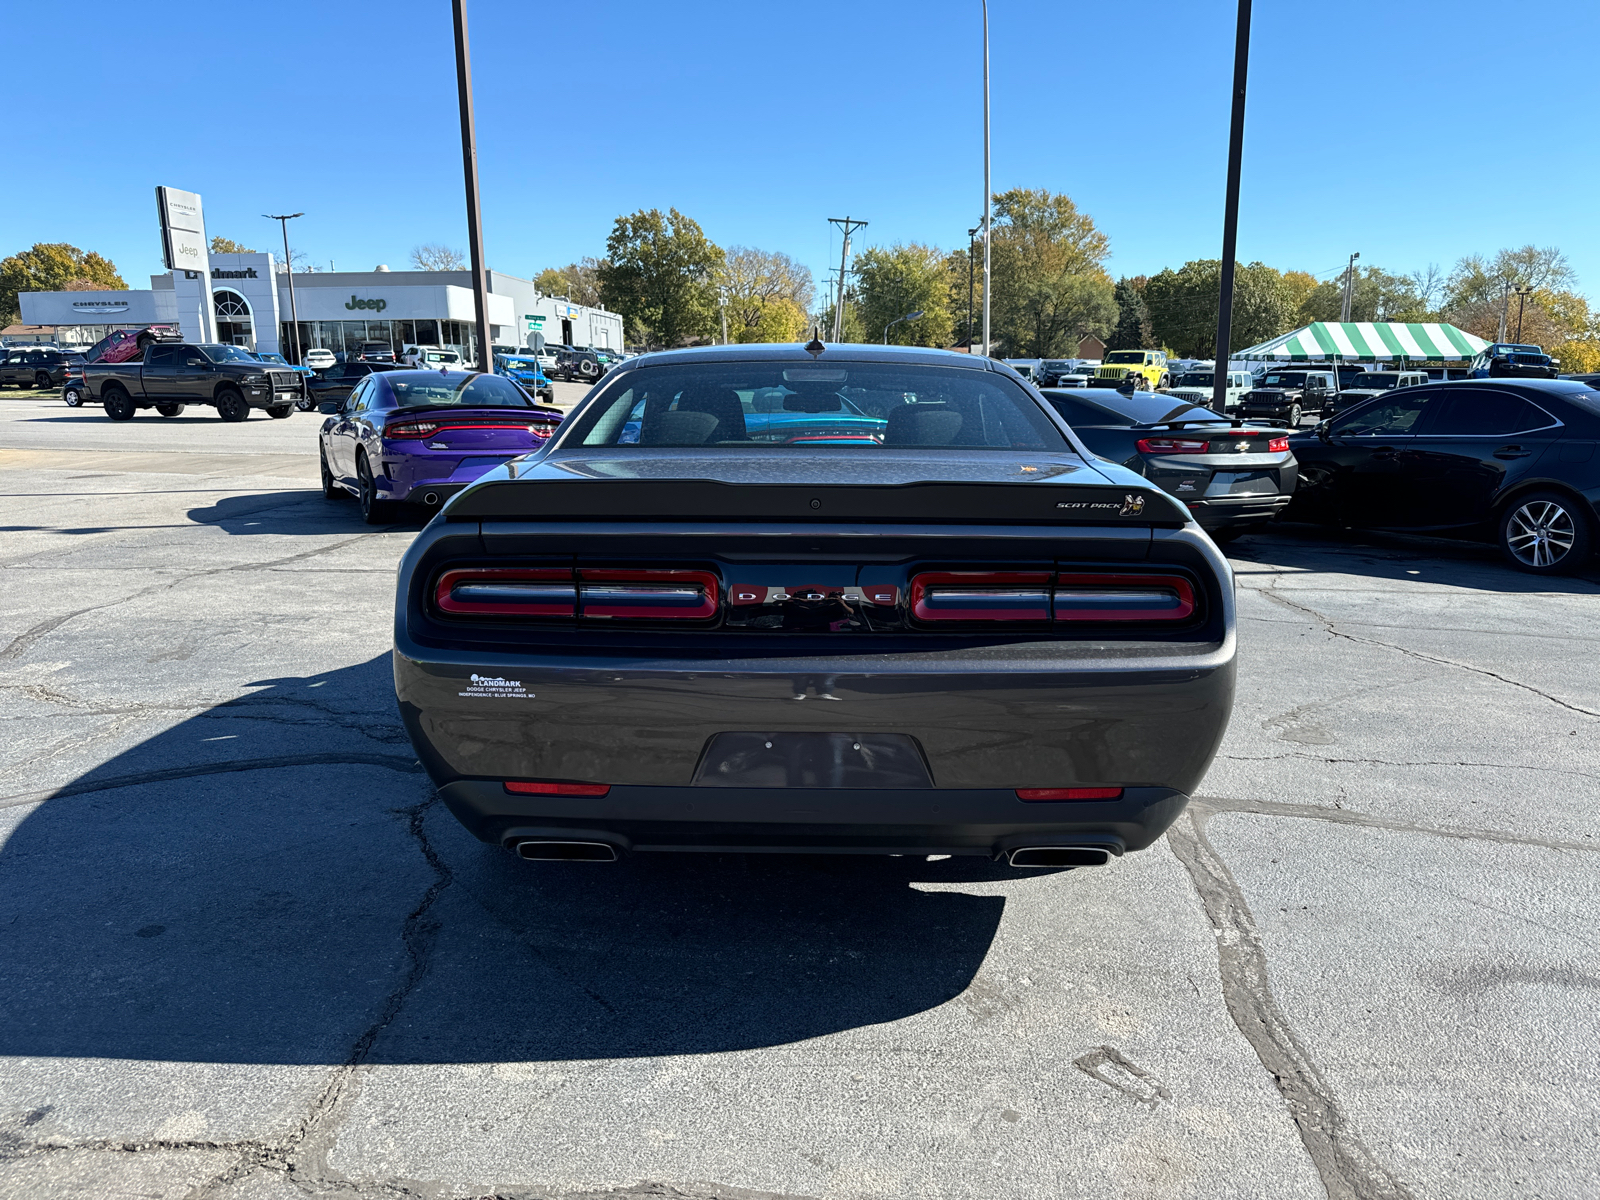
x=1412, y=132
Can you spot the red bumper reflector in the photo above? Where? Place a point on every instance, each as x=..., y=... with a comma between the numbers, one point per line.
x=1069, y=793
x=543, y=788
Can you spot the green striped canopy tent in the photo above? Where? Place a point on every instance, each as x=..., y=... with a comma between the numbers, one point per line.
x=1368, y=341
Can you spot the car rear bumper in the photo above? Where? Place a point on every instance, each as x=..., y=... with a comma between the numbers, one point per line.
x=813, y=820
x=1223, y=511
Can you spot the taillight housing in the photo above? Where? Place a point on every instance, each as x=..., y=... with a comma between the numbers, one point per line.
x=555, y=787
x=410, y=429
x=982, y=597
x=588, y=594
x=646, y=595
x=507, y=592
x=1173, y=445
x=1278, y=445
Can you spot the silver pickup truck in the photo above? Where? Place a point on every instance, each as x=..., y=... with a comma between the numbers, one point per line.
x=167, y=376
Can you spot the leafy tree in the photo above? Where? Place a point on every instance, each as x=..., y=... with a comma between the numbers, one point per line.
x=53, y=267
x=754, y=281
x=1300, y=284
x=964, y=278
x=1132, y=330
x=434, y=257
x=659, y=273
x=222, y=245
x=579, y=282
x=855, y=330
x=1476, y=280
x=1183, y=306
x=903, y=279
x=1376, y=295
x=1050, y=288
x=779, y=320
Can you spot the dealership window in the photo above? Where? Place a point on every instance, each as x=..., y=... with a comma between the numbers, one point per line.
x=235, y=326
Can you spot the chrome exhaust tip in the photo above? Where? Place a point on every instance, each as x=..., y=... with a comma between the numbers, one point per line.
x=540, y=850
x=1059, y=856
x=430, y=498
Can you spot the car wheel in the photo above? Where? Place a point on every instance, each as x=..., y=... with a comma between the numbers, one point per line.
x=231, y=406
x=169, y=410
x=331, y=489
x=41, y=380
x=588, y=369
x=279, y=411
x=373, y=510
x=1294, y=416
x=1166, y=381
x=1544, y=533
x=119, y=405
x=73, y=397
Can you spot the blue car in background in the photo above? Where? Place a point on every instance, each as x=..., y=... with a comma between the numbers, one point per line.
x=305, y=403
x=524, y=368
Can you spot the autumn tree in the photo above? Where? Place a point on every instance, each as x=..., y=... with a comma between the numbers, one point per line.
x=1183, y=306
x=1132, y=330
x=579, y=282
x=900, y=279
x=659, y=272
x=766, y=292
x=53, y=267
x=434, y=257
x=1376, y=295
x=1050, y=288
x=222, y=245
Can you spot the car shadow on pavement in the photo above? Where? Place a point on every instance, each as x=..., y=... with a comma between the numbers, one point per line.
x=1402, y=557
x=273, y=881
x=295, y=512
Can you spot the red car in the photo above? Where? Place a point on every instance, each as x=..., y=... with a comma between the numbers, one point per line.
x=122, y=344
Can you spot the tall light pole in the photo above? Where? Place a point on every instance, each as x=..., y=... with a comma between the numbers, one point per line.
x=847, y=225
x=469, y=167
x=288, y=265
x=986, y=188
x=1505, y=303
x=1523, y=292
x=1230, y=210
x=722, y=303
x=1349, y=287
x=910, y=316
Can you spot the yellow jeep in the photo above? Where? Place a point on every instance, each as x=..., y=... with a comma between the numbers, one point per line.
x=1150, y=367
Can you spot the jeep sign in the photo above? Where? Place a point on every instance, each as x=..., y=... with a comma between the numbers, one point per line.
x=374, y=305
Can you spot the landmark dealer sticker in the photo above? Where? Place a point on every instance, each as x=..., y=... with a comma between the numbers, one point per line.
x=492, y=686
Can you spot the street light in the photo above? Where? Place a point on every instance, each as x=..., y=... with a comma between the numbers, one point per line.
x=1523, y=292
x=971, y=233
x=910, y=316
x=987, y=225
x=288, y=264
x=1230, y=208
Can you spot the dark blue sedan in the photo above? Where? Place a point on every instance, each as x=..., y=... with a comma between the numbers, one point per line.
x=421, y=436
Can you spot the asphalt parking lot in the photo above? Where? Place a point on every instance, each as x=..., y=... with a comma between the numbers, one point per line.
x=247, y=956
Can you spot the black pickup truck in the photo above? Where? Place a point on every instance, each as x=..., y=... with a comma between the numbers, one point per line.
x=168, y=375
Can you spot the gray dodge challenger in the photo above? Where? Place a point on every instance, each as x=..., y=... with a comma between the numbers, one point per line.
x=815, y=599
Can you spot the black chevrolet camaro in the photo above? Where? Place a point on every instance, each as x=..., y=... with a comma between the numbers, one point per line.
x=915, y=615
x=1511, y=461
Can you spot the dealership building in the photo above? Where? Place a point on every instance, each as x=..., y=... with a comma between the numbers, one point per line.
x=337, y=310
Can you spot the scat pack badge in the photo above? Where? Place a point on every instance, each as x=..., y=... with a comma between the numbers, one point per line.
x=1132, y=505
x=496, y=686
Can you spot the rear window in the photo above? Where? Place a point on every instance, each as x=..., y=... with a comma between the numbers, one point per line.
x=411, y=391
x=784, y=404
x=1151, y=408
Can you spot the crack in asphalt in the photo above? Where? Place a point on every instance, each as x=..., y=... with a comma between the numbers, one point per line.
x=1348, y=1170
x=1328, y=626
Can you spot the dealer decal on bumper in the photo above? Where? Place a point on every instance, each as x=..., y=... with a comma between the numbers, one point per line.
x=492, y=686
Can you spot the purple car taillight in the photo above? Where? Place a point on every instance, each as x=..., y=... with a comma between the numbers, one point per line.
x=448, y=451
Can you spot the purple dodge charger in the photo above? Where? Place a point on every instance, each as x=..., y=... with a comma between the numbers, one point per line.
x=422, y=436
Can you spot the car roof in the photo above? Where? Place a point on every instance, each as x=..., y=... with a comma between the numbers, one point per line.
x=833, y=352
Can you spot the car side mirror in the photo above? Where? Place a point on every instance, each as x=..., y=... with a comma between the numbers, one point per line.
x=331, y=407
x=194, y=362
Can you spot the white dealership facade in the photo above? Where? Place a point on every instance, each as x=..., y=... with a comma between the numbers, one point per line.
x=337, y=310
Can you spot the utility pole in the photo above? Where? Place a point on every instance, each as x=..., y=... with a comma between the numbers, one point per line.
x=1349, y=287
x=288, y=266
x=722, y=303
x=848, y=226
x=971, y=261
x=469, y=167
x=987, y=190
x=1230, y=211
x=1523, y=292
x=1505, y=303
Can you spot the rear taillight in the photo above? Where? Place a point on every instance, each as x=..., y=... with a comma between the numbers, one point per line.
x=1277, y=445
x=1172, y=445
x=984, y=596
x=646, y=595
x=490, y=592
x=410, y=429
x=1077, y=793
x=1123, y=598
x=543, y=787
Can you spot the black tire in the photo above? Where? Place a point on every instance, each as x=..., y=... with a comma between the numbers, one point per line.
x=279, y=411
x=373, y=510
x=231, y=406
x=119, y=405
x=1166, y=382
x=1545, y=533
x=170, y=410
x=72, y=397
x=331, y=490
x=143, y=341
x=1294, y=416
x=41, y=380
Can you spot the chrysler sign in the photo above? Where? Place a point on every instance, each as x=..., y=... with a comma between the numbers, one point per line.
x=99, y=306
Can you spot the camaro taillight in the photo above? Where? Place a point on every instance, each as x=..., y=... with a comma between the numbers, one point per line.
x=543, y=787
x=1277, y=445
x=1072, y=793
x=1172, y=445
x=410, y=429
x=983, y=596
x=649, y=595
x=495, y=592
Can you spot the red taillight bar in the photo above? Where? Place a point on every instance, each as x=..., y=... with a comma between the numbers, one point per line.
x=1123, y=598
x=507, y=592
x=1278, y=445
x=541, y=787
x=421, y=429
x=1072, y=793
x=1172, y=445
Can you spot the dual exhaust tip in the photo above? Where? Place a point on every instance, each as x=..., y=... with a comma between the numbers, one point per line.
x=1057, y=857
